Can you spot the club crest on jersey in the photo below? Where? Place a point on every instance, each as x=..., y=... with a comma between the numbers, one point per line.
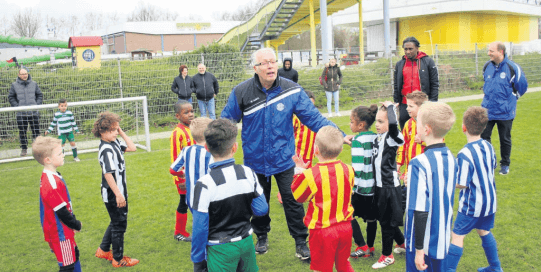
x=280, y=106
x=502, y=75
x=374, y=152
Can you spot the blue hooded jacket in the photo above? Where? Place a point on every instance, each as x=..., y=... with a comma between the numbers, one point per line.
x=267, y=127
x=502, y=89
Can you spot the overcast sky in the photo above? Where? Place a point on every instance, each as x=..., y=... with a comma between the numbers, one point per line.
x=58, y=8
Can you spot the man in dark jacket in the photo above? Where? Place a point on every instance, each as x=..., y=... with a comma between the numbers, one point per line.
x=505, y=82
x=266, y=104
x=414, y=72
x=25, y=92
x=288, y=72
x=206, y=89
x=183, y=84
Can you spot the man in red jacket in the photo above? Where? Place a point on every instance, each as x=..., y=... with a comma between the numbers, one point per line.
x=416, y=71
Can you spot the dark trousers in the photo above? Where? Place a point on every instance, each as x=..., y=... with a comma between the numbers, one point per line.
x=403, y=115
x=114, y=235
x=22, y=123
x=294, y=211
x=504, y=130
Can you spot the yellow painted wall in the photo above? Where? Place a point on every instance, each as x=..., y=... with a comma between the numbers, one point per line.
x=81, y=63
x=460, y=31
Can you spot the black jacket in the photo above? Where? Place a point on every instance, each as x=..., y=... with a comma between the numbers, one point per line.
x=25, y=93
x=206, y=86
x=183, y=87
x=290, y=73
x=428, y=73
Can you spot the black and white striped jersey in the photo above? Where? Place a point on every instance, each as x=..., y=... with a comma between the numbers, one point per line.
x=112, y=161
x=384, y=153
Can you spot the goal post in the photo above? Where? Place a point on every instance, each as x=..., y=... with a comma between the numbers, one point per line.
x=133, y=112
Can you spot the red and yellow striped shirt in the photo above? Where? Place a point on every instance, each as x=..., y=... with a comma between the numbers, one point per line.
x=410, y=148
x=304, y=141
x=328, y=186
x=181, y=137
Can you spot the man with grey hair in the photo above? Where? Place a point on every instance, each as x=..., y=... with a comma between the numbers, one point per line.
x=206, y=89
x=265, y=104
x=505, y=83
x=25, y=92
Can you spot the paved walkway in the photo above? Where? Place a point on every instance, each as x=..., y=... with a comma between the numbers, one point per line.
x=91, y=145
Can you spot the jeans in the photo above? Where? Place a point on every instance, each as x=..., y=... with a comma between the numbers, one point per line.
x=205, y=106
x=504, y=131
x=329, y=98
x=22, y=123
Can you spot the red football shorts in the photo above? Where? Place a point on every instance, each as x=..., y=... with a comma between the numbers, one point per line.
x=329, y=246
x=64, y=251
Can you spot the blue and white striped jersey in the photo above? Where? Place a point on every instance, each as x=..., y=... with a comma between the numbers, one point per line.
x=196, y=160
x=476, y=164
x=431, y=188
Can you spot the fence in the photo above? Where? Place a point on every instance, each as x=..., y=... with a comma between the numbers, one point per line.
x=458, y=70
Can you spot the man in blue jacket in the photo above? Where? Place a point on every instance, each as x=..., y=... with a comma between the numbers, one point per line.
x=266, y=104
x=505, y=83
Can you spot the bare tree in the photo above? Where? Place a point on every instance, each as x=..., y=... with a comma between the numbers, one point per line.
x=26, y=23
x=58, y=26
x=5, y=27
x=242, y=13
x=112, y=18
x=93, y=21
x=143, y=13
x=73, y=25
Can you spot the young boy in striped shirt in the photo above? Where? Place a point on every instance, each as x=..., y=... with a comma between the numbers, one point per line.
x=224, y=202
x=57, y=219
x=193, y=162
x=477, y=200
x=328, y=186
x=65, y=122
x=412, y=146
x=432, y=179
x=181, y=137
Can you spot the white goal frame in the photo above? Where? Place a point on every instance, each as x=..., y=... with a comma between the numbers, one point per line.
x=90, y=102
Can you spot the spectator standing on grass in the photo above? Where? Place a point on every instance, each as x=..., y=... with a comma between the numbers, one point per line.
x=25, y=92
x=183, y=85
x=332, y=79
x=266, y=104
x=206, y=88
x=505, y=83
x=415, y=71
x=288, y=72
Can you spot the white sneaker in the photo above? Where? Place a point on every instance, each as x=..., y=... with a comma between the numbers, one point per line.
x=399, y=249
x=76, y=159
x=384, y=261
x=338, y=114
x=330, y=115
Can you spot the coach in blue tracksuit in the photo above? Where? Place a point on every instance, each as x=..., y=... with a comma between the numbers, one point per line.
x=266, y=104
x=505, y=83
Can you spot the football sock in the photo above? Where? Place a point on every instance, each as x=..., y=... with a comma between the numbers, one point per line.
x=180, y=227
x=357, y=233
x=452, y=259
x=371, y=229
x=491, y=251
x=74, y=150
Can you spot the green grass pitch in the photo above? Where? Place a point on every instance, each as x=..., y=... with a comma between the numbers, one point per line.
x=153, y=201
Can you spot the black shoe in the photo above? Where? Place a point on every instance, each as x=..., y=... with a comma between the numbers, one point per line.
x=302, y=251
x=262, y=245
x=23, y=152
x=179, y=237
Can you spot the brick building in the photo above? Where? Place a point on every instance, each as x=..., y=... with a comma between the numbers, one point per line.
x=161, y=36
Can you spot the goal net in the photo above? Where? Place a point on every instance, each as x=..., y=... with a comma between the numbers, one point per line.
x=35, y=120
